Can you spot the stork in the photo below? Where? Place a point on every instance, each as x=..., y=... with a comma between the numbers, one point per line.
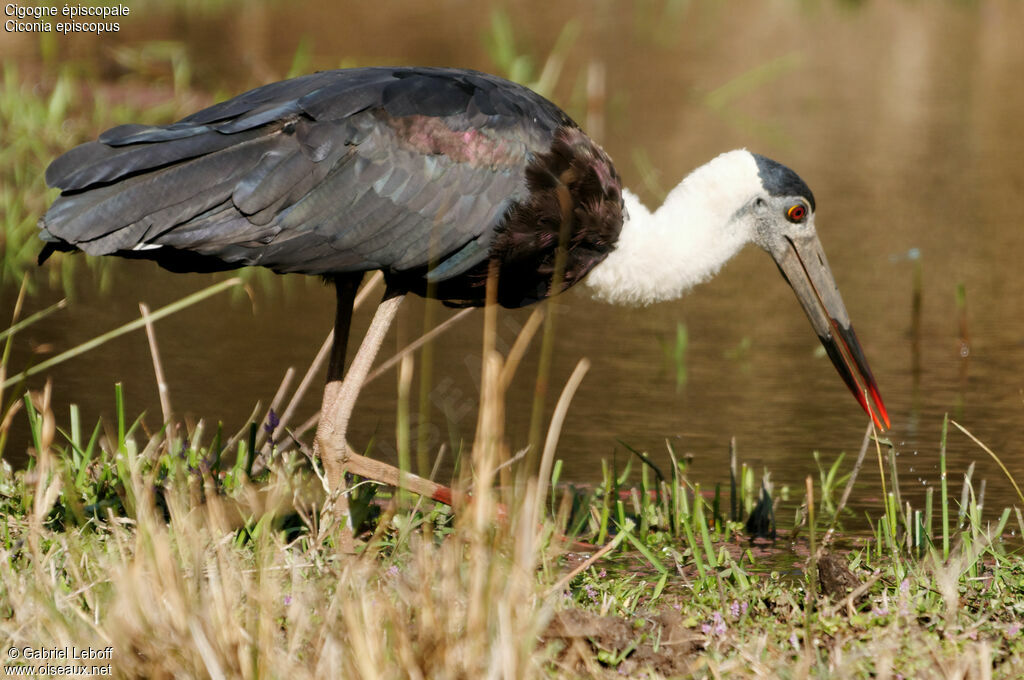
x=442, y=179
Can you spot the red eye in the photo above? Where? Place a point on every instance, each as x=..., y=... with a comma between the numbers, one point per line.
x=796, y=212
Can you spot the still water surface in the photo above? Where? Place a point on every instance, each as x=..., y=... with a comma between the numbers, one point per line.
x=904, y=118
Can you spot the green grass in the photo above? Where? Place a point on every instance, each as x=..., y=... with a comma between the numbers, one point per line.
x=173, y=551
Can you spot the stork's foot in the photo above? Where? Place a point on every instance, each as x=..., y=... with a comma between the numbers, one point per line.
x=334, y=466
x=333, y=452
x=330, y=444
x=336, y=410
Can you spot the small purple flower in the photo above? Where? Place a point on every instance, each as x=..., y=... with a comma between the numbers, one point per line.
x=1013, y=629
x=715, y=627
x=591, y=592
x=272, y=422
x=602, y=573
x=287, y=600
x=795, y=641
x=392, y=571
x=905, y=586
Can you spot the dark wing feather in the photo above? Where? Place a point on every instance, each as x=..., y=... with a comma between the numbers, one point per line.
x=397, y=169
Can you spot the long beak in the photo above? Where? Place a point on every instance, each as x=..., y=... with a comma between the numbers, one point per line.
x=803, y=264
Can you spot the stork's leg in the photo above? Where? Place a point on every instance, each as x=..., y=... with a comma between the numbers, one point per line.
x=340, y=397
x=345, y=288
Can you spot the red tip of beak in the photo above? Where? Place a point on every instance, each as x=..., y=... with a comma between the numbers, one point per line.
x=850, y=362
x=877, y=398
x=862, y=400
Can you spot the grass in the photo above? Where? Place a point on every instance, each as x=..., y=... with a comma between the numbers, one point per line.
x=174, y=553
x=36, y=127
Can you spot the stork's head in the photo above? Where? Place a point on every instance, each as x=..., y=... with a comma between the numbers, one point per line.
x=780, y=219
x=735, y=199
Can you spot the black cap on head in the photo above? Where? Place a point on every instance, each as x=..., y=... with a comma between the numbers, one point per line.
x=780, y=180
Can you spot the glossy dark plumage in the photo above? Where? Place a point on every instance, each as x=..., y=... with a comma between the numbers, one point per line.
x=427, y=174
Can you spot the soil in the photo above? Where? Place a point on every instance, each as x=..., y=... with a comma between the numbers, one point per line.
x=660, y=643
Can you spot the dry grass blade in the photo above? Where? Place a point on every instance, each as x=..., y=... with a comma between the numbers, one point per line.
x=416, y=344
x=586, y=564
x=10, y=336
x=126, y=328
x=827, y=539
x=158, y=369
x=554, y=430
x=307, y=380
x=994, y=457
x=275, y=403
x=515, y=355
x=244, y=431
x=34, y=318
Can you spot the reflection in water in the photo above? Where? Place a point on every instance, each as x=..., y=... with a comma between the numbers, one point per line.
x=903, y=117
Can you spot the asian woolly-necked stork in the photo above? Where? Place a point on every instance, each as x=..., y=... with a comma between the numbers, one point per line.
x=437, y=177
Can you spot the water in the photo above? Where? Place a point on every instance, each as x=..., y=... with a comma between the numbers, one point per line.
x=903, y=118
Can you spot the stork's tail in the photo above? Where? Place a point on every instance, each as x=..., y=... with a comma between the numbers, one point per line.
x=51, y=244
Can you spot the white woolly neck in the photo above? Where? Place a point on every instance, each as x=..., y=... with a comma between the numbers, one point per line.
x=661, y=255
